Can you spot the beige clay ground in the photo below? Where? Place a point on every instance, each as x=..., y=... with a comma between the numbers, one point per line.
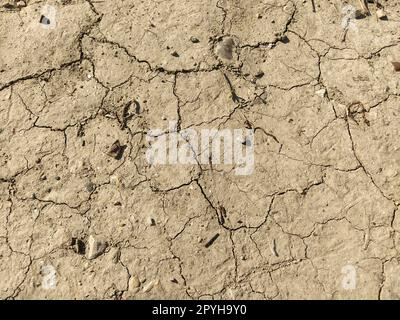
x=320, y=91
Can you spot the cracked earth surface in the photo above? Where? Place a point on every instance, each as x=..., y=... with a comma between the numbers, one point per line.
x=324, y=105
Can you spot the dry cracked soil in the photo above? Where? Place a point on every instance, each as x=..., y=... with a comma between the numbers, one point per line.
x=85, y=215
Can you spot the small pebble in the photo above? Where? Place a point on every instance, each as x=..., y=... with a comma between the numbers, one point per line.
x=212, y=240
x=246, y=142
x=150, y=285
x=78, y=246
x=259, y=74
x=36, y=213
x=115, y=255
x=194, y=40
x=321, y=93
x=224, y=48
x=381, y=14
x=90, y=187
x=134, y=282
x=273, y=248
x=396, y=66
x=44, y=20
x=151, y=222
